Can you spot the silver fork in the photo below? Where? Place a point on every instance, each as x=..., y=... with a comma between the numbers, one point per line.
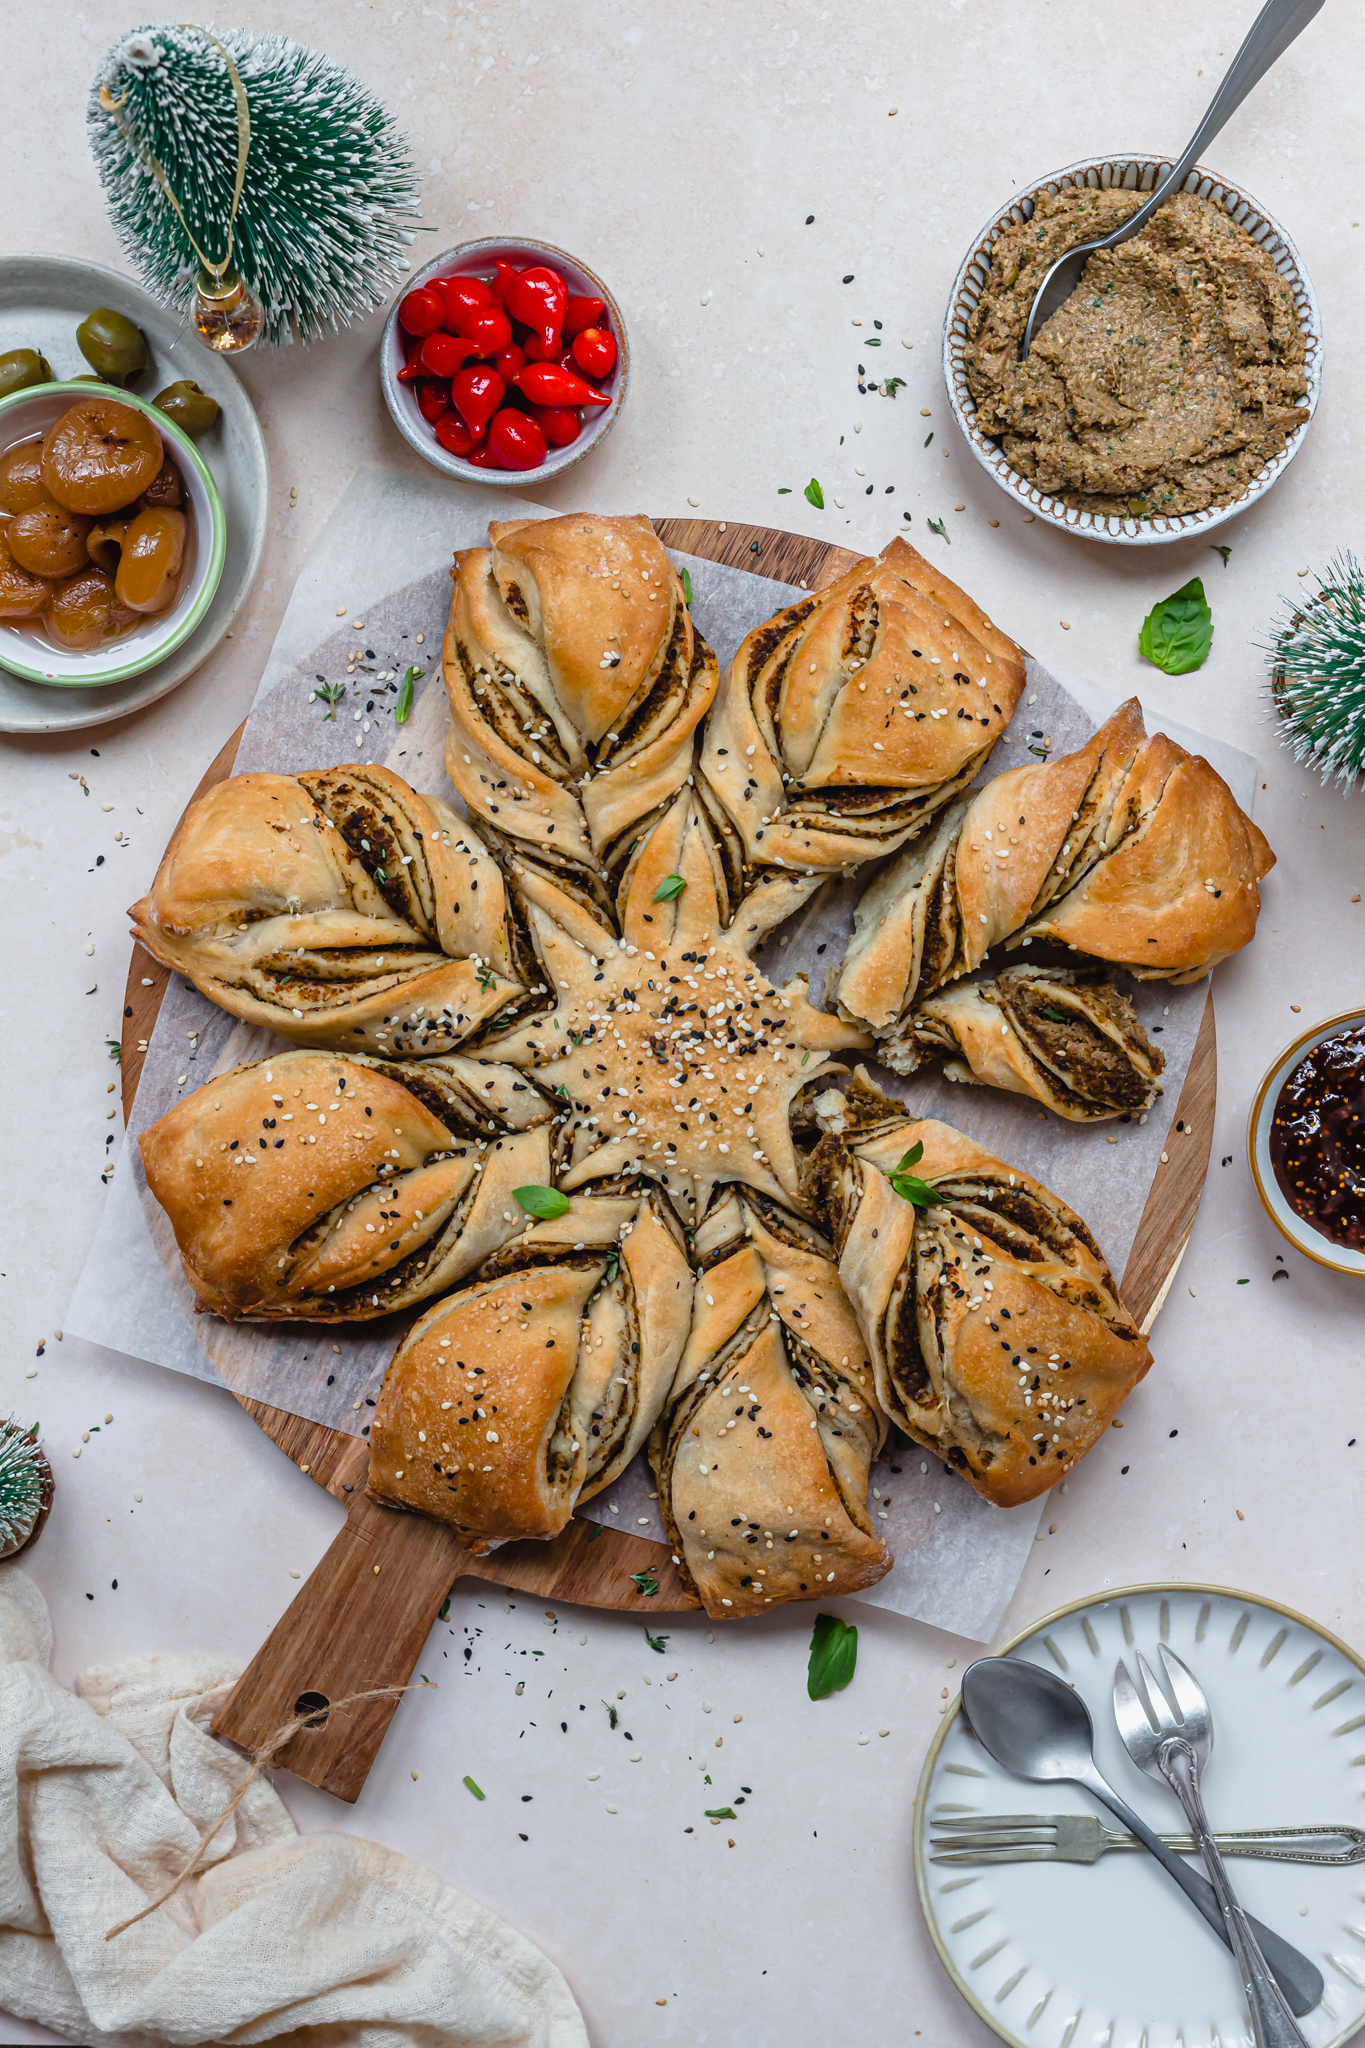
x=1083, y=1838
x=1170, y=1739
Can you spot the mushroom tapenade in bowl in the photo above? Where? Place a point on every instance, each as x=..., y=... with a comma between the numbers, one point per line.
x=1175, y=384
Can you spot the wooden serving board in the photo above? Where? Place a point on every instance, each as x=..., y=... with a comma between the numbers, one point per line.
x=359, y=1622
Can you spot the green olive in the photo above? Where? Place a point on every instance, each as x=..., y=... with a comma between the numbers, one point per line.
x=20, y=367
x=112, y=346
x=192, y=410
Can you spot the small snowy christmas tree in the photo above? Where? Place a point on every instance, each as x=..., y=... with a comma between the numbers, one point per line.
x=328, y=198
x=1317, y=673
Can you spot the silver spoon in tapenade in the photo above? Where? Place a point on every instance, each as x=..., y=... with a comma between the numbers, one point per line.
x=1270, y=35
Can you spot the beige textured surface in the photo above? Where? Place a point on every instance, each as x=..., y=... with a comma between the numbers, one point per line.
x=668, y=145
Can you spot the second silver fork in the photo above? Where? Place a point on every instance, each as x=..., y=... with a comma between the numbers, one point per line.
x=1172, y=1743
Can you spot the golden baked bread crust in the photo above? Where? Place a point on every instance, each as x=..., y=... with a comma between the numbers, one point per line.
x=994, y=1326
x=319, y=1187
x=576, y=682
x=848, y=721
x=336, y=907
x=773, y=1422
x=535, y=1386
x=1069, y=1038
x=1130, y=850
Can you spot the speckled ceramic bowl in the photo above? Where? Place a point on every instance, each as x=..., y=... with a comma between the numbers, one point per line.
x=1324, y=1251
x=1138, y=174
x=476, y=259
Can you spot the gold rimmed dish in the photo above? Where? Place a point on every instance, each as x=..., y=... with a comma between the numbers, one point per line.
x=1324, y=1251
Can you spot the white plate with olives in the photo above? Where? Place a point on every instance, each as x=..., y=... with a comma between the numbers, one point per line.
x=43, y=302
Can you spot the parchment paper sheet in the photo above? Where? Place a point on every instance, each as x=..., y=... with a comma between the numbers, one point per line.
x=378, y=579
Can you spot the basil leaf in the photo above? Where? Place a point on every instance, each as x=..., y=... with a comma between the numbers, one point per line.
x=403, y=708
x=720, y=1813
x=671, y=886
x=645, y=1582
x=546, y=1203
x=908, y=1185
x=1177, y=634
x=473, y=1787
x=686, y=581
x=833, y=1656
x=814, y=495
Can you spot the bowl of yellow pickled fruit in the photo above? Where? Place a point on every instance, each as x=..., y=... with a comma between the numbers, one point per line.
x=112, y=534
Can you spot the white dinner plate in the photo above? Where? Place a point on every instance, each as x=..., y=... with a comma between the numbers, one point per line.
x=43, y=300
x=1111, y=1954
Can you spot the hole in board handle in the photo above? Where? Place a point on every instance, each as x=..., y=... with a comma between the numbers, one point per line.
x=316, y=1705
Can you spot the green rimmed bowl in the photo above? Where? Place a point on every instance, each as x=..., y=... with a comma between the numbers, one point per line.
x=36, y=659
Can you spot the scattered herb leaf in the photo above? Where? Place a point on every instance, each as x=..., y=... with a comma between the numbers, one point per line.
x=1057, y=1016
x=646, y=1583
x=403, y=708
x=686, y=581
x=612, y=1716
x=671, y=886
x=656, y=1642
x=596, y=1532
x=487, y=979
x=546, y=1203
x=473, y=1787
x=833, y=1656
x=613, y=1266
x=576, y=1037
x=115, y=1049
x=937, y=526
x=814, y=495
x=560, y=1089
x=382, y=875
x=872, y=341
x=908, y=1185
x=928, y=437
x=892, y=386
x=331, y=694
x=1177, y=634
x=784, y=490
x=1224, y=552
x=721, y=1813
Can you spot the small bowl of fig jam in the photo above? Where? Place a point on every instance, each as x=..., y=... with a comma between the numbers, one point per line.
x=1306, y=1143
x=112, y=535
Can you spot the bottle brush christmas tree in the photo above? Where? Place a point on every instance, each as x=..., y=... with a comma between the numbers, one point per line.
x=248, y=165
x=1317, y=673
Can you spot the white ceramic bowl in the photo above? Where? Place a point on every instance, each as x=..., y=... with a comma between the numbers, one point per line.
x=1323, y=1250
x=1139, y=174
x=38, y=659
x=476, y=259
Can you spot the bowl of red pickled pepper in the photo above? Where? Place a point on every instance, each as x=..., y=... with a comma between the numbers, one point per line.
x=505, y=362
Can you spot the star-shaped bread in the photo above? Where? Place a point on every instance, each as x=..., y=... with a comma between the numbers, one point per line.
x=673, y=1053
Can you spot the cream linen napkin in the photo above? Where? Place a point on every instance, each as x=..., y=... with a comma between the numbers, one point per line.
x=280, y=1938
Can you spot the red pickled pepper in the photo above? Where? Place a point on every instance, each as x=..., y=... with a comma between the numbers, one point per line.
x=594, y=352
x=488, y=327
x=455, y=435
x=422, y=311
x=581, y=313
x=548, y=384
x=477, y=393
x=433, y=401
x=461, y=296
x=504, y=276
x=560, y=426
x=443, y=354
x=539, y=299
x=515, y=440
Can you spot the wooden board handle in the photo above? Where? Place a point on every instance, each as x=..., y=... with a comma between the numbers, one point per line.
x=357, y=1624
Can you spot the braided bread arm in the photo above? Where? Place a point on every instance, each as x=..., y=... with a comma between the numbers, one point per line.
x=846, y=723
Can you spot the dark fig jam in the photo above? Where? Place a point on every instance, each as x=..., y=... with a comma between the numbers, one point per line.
x=1317, y=1138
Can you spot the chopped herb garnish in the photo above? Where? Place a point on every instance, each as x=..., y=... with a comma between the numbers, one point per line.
x=937, y=526
x=404, y=705
x=671, y=886
x=115, y=1049
x=833, y=1656
x=487, y=980
x=1224, y=552
x=472, y=1787
x=382, y=875
x=1177, y=634
x=1057, y=1016
x=872, y=341
x=331, y=694
x=612, y=1715
x=596, y=1532
x=784, y=490
x=686, y=581
x=656, y=1642
x=908, y=1185
x=928, y=437
x=646, y=1583
x=546, y=1203
x=814, y=495
x=560, y=1089
x=892, y=386
x=721, y=1813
